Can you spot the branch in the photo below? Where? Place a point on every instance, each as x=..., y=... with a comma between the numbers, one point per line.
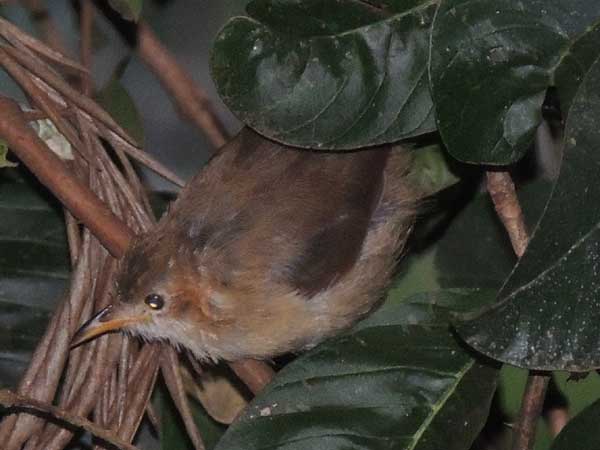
x=11, y=400
x=192, y=101
x=56, y=82
x=84, y=205
x=15, y=36
x=51, y=171
x=86, y=27
x=502, y=191
x=172, y=376
x=531, y=409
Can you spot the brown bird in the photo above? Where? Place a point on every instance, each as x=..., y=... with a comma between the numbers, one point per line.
x=269, y=249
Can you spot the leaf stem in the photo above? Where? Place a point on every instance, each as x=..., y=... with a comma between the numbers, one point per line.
x=502, y=192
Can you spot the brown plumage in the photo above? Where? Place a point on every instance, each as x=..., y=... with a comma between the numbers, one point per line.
x=268, y=249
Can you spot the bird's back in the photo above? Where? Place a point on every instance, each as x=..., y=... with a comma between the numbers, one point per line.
x=305, y=241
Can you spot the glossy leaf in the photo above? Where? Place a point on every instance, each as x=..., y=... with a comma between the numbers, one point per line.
x=34, y=268
x=397, y=380
x=475, y=251
x=491, y=62
x=549, y=308
x=575, y=63
x=327, y=73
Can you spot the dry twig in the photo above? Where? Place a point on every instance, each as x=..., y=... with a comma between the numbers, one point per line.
x=502, y=191
x=191, y=100
x=11, y=400
x=110, y=375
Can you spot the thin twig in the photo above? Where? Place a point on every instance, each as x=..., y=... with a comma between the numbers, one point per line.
x=136, y=153
x=502, y=191
x=13, y=34
x=191, y=100
x=54, y=81
x=531, y=409
x=77, y=197
x=20, y=75
x=11, y=400
x=172, y=376
x=85, y=46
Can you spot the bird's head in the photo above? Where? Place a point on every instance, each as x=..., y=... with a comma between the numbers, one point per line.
x=161, y=296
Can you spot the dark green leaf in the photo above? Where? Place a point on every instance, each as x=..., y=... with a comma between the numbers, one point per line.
x=575, y=63
x=128, y=9
x=549, y=307
x=117, y=101
x=34, y=267
x=475, y=251
x=397, y=380
x=327, y=73
x=491, y=62
x=582, y=431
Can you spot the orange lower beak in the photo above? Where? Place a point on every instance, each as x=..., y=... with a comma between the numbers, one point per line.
x=103, y=322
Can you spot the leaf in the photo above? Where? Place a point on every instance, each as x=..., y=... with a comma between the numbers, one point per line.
x=34, y=267
x=581, y=432
x=128, y=9
x=117, y=101
x=4, y=162
x=430, y=171
x=328, y=74
x=491, y=62
x=548, y=309
x=397, y=380
x=47, y=132
x=475, y=251
x=575, y=63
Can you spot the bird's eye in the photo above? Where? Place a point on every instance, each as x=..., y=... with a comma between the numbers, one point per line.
x=155, y=301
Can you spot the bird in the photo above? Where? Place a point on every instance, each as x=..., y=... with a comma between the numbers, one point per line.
x=269, y=249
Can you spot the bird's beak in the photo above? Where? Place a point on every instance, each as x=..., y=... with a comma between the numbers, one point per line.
x=104, y=321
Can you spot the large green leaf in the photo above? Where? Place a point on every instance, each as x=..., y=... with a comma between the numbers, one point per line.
x=491, y=62
x=397, y=380
x=549, y=307
x=34, y=267
x=328, y=74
